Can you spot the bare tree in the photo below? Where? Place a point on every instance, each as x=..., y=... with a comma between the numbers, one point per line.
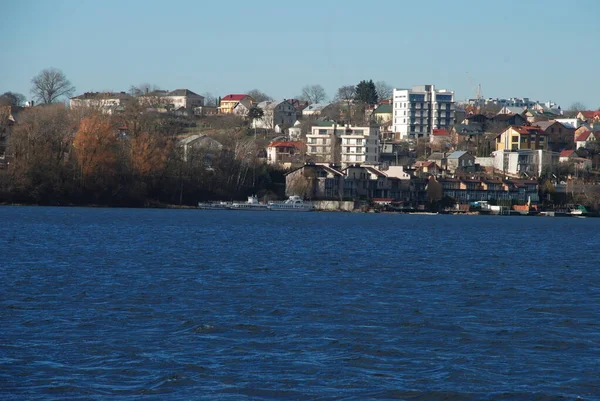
x=347, y=94
x=51, y=84
x=314, y=93
x=384, y=90
x=258, y=96
x=210, y=99
x=577, y=107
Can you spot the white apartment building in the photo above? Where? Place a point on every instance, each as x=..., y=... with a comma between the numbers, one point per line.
x=420, y=110
x=347, y=145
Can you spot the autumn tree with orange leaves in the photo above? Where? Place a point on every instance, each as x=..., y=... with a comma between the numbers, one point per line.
x=148, y=154
x=95, y=147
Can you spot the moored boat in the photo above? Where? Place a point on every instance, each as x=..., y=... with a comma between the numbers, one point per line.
x=214, y=205
x=251, y=204
x=293, y=204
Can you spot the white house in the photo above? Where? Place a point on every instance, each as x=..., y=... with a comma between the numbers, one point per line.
x=295, y=132
x=181, y=100
x=278, y=112
x=585, y=138
x=108, y=102
x=314, y=109
x=420, y=110
x=512, y=110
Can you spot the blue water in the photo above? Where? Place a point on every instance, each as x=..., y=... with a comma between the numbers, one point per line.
x=186, y=304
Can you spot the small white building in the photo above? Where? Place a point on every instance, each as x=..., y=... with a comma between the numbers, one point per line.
x=295, y=132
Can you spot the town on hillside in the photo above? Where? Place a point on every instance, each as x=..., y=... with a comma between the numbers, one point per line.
x=368, y=146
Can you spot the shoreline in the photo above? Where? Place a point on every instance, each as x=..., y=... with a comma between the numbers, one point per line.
x=370, y=211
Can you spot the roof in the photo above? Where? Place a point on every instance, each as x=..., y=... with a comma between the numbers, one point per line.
x=271, y=104
x=234, y=98
x=286, y=144
x=512, y=110
x=102, y=95
x=323, y=123
x=183, y=92
x=384, y=109
x=456, y=155
x=527, y=129
x=440, y=132
x=315, y=107
x=546, y=124
x=505, y=117
x=424, y=164
x=583, y=136
x=193, y=138
x=566, y=153
x=436, y=156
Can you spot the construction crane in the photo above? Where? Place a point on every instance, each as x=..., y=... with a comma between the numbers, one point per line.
x=477, y=90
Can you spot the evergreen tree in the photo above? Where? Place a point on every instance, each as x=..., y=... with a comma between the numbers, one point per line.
x=366, y=92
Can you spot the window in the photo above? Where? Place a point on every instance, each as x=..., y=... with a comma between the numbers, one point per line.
x=515, y=138
x=322, y=132
x=313, y=149
x=359, y=141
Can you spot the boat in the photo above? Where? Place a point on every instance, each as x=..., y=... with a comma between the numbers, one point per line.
x=251, y=204
x=214, y=205
x=293, y=204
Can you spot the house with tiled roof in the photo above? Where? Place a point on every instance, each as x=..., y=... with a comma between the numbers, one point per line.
x=314, y=109
x=589, y=115
x=560, y=136
x=522, y=137
x=584, y=139
x=383, y=113
x=229, y=102
x=459, y=159
x=285, y=153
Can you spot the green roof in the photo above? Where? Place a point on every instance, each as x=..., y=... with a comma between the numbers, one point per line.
x=321, y=123
x=384, y=109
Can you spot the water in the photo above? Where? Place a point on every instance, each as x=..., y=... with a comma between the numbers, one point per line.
x=186, y=304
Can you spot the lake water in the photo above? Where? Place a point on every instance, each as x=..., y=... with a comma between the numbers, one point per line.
x=124, y=304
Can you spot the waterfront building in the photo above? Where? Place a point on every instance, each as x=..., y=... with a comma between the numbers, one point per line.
x=345, y=145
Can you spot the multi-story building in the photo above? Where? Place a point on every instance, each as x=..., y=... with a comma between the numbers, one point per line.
x=278, y=112
x=522, y=137
x=107, y=102
x=343, y=144
x=229, y=102
x=420, y=110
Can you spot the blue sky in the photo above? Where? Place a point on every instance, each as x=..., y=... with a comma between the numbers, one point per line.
x=545, y=50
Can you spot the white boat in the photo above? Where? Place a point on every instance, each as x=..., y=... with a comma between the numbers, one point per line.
x=251, y=204
x=293, y=204
x=575, y=212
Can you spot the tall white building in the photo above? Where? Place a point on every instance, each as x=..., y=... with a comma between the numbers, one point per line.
x=344, y=144
x=420, y=110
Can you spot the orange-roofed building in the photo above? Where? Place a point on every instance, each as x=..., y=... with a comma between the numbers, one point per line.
x=285, y=153
x=229, y=102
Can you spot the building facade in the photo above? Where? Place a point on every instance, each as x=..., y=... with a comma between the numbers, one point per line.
x=345, y=145
x=420, y=110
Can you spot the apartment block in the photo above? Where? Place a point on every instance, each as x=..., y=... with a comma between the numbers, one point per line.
x=420, y=110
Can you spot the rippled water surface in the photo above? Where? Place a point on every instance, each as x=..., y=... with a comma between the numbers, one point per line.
x=188, y=304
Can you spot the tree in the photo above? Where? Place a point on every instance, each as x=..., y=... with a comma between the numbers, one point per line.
x=258, y=96
x=314, y=93
x=148, y=153
x=210, y=99
x=51, y=84
x=94, y=145
x=384, y=91
x=12, y=99
x=577, y=107
x=347, y=94
x=255, y=113
x=366, y=92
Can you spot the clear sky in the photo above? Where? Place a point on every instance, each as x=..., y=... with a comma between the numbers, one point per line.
x=544, y=49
